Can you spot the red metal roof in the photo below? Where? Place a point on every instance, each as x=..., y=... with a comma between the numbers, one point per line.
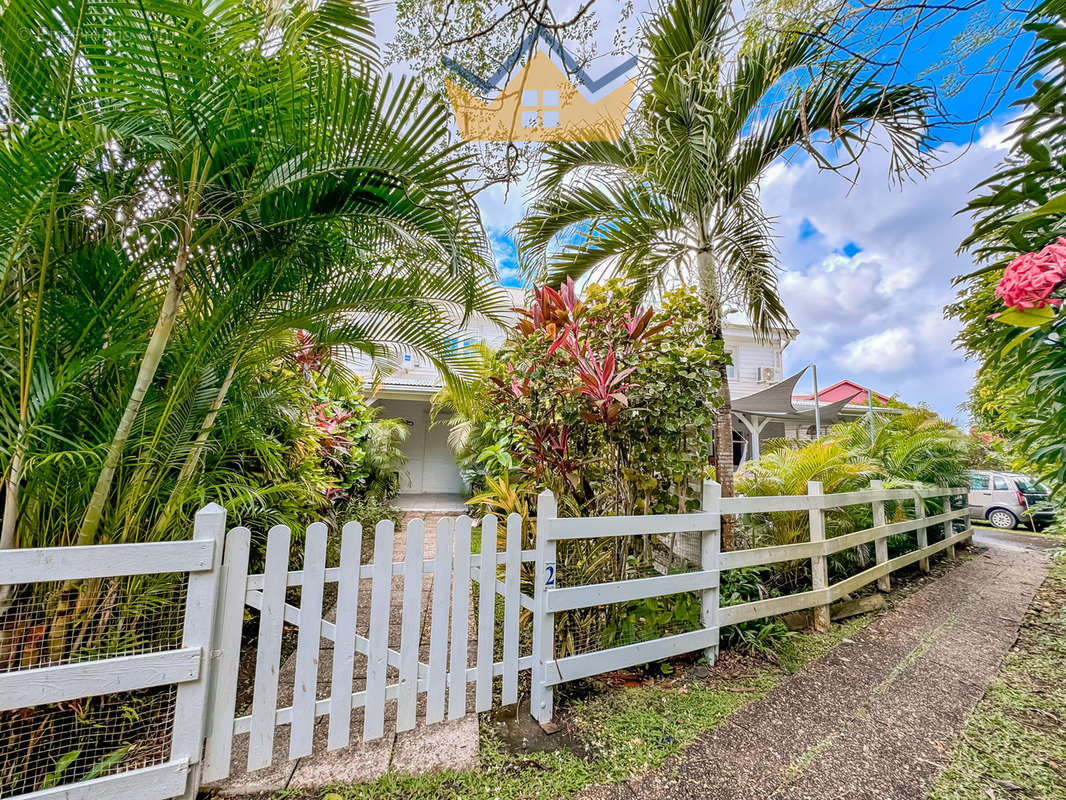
x=842, y=389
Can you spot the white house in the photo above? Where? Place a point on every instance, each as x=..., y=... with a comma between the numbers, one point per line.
x=433, y=482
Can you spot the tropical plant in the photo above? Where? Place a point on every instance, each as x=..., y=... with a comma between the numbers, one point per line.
x=786, y=470
x=606, y=403
x=915, y=447
x=1019, y=219
x=150, y=163
x=677, y=198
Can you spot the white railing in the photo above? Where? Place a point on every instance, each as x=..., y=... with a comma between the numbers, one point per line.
x=550, y=598
x=187, y=666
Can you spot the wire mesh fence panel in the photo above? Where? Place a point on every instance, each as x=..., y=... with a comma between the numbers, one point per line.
x=98, y=647
x=48, y=624
x=79, y=740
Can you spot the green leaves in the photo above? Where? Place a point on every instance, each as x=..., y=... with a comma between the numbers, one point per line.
x=1026, y=318
x=250, y=159
x=1022, y=208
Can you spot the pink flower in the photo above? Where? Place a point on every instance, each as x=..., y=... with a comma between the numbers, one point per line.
x=1029, y=280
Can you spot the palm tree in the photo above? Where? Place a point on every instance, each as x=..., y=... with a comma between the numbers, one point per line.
x=676, y=200
x=184, y=140
x=786, y=470
x=914, y=447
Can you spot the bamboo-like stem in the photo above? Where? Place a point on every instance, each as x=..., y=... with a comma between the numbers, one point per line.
x=153, y=354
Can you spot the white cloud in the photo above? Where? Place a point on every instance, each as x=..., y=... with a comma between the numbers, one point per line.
x=888, y=351
x=876, y=316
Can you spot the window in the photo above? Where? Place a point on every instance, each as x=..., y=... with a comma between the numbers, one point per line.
x=540, y=109
x=978, y=482
x=999, y=483
x=1029, y=486
x=731, y=368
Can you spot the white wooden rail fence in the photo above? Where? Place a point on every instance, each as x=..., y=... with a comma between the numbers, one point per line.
x=550, y=598
x=427, y=679
x=187, y=666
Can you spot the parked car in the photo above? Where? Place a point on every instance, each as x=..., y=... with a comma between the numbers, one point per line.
x=1004, y=499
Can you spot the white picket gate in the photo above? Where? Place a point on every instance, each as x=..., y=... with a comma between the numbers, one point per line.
x=403, y=672
x=380, y=655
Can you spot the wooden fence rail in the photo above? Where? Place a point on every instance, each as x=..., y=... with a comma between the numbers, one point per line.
x=375, y=628
x=551, y=598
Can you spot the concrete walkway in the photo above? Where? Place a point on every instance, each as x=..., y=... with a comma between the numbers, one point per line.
x=875, y=716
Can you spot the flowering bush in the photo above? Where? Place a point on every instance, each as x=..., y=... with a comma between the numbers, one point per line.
x=1031, y=279
x=611, y=405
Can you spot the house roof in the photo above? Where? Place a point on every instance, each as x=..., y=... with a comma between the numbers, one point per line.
x=845, y=389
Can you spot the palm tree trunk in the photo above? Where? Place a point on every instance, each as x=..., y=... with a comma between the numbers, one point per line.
x=723, y=439
x=153, y=354
x=11, y=499
x=11, y=510
x=723, y=453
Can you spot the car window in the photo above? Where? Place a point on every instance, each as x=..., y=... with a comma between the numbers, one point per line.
x=1029, y=486
x=999, y=483
x=978, y=481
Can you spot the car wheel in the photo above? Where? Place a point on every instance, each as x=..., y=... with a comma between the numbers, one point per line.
x=1002, y=518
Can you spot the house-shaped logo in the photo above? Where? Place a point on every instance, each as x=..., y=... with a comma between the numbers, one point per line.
x=541, y=103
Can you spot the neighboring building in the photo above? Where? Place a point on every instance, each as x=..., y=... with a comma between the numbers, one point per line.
x=433, y=482
x=845, y=389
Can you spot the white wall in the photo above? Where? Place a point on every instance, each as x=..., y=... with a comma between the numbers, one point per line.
x=431, y=465
x=748, y=356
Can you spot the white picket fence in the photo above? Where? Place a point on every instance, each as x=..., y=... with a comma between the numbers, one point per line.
x=376, y=632
x=441, y=675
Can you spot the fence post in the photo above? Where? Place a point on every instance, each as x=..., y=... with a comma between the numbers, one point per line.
x=922, y=532
x=540, y=695
x=949, y=526
x=966, y=521
x=710, y=550
x=201, y=599
x=884, y=583
x=819, y=569
x=227, y=643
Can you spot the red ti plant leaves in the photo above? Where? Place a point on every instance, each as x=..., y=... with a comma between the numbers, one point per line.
x=638, y=324
x=603, y=383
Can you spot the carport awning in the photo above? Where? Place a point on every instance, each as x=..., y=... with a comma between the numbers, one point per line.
x=775, y=402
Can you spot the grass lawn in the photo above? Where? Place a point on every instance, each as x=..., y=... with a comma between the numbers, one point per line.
x=621, y=732
x=1014, y=743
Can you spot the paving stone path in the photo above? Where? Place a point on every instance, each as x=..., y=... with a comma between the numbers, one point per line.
x=874, y=717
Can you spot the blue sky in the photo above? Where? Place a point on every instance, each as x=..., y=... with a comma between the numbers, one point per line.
x=867, y=264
